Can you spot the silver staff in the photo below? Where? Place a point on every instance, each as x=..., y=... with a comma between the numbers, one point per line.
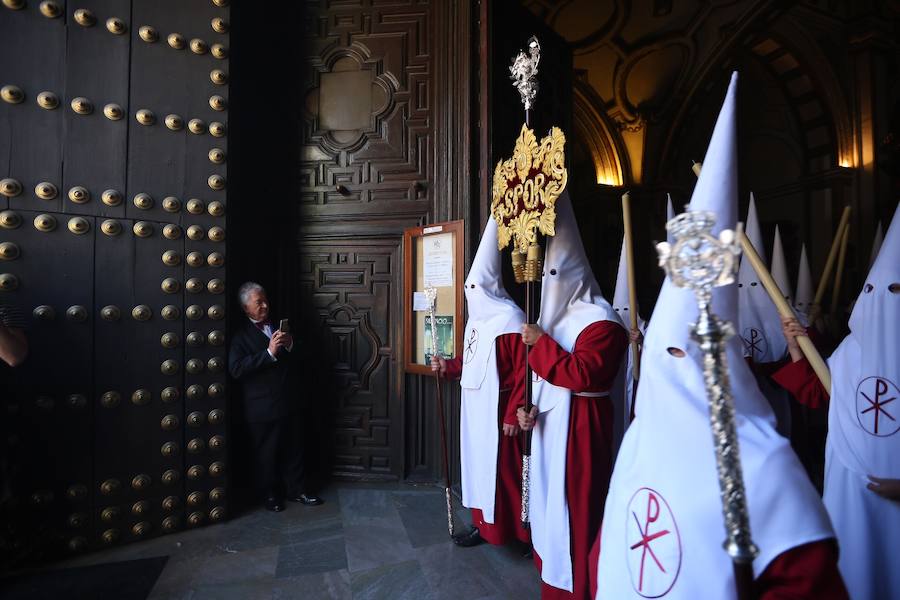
x=431, y=296
x=523, y=72
x=700, y=261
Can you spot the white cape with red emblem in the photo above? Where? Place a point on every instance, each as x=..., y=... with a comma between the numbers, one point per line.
x=662, y=528
x=864, y=431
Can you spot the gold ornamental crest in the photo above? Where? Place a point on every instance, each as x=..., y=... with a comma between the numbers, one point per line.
x=526, y=187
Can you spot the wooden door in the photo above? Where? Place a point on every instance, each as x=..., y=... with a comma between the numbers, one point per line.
x=384, y=145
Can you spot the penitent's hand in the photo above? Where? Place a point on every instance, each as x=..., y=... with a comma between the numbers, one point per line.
x=886, y=488
x=526, y=420
x=636, y=336
x=791, y=328
x=439, y=365
x=510, y=430
x=531, y=334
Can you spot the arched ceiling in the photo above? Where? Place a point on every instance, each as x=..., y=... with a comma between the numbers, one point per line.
x=645, y=60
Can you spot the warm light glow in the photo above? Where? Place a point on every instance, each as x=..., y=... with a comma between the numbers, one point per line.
x=604, y=178
x=845, y=164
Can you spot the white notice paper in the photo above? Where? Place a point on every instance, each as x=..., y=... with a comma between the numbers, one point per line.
x=438, y=259
x=420, y=302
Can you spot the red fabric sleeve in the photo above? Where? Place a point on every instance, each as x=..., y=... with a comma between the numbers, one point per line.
x=801, y=381
x=511, y=365
x=808, y=572
x=590, y=367
x=454, y=368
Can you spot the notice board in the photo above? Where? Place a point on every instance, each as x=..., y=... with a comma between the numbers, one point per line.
x=432, y=255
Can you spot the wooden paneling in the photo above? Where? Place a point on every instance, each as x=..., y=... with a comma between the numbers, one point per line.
x=396, y=155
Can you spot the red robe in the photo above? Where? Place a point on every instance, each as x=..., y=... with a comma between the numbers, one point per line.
x=507, y=525
x=800, y=380
x=807, y=572
x=590, y=367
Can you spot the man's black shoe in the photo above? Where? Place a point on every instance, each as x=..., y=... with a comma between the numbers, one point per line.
x=274, y=504
x=307, y=499
x=468, y=539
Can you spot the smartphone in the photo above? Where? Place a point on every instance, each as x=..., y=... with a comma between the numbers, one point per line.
x=283, y=326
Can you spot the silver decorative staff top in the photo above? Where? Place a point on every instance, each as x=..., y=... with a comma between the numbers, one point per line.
x=524, y=72
x=698, y=260
x=701, y=262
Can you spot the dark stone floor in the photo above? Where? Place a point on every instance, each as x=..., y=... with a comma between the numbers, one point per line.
x=365, y=542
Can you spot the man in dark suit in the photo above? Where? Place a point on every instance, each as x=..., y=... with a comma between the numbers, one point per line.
x=261, y=359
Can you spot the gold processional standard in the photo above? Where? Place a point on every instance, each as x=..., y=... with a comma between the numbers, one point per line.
x=525, y=190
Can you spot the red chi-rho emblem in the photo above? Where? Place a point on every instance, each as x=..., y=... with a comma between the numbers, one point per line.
x=652, y=544
x=755, y=342
x=875, y=408
x=471, y=346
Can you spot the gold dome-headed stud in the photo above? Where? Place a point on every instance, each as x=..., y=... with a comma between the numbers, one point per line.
x=148, y=34
x=176, y=41
x=85, y=18
x=48, y=100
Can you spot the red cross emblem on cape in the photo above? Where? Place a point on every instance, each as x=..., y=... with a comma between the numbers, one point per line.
x=876, y=407
x=653, y=544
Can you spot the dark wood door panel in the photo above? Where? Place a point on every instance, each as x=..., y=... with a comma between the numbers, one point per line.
x=351, y=289
x=368, y=107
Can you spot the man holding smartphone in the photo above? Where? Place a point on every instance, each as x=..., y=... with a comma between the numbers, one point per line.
x=261, y=359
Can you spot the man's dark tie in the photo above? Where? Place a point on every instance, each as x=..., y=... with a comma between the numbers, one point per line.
x=261, y=325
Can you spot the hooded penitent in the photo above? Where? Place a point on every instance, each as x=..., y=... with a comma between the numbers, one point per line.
x=491, y=314
x=570, y=301
x=623, y=390
x=778, y=396
x=663, y=528
x=864, y=430
x=758, y=322
x=804, y=298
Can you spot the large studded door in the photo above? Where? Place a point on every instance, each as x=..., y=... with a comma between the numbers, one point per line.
x=113, y=127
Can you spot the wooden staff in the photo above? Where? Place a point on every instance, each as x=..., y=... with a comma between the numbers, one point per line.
x=839, y=274
x=632, y=290
x=785, y=310
x=431, y=296
x=829, y=263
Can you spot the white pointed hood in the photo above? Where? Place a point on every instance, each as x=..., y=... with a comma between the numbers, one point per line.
x=866, y=369
x=779, y=268
x=670, y=214
x=664, y=494
x=759, y=323
x=622, y=391
x=876, y=244
x=804, y=297
x=621, y=302
x=571, y=298
x=491, y=310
